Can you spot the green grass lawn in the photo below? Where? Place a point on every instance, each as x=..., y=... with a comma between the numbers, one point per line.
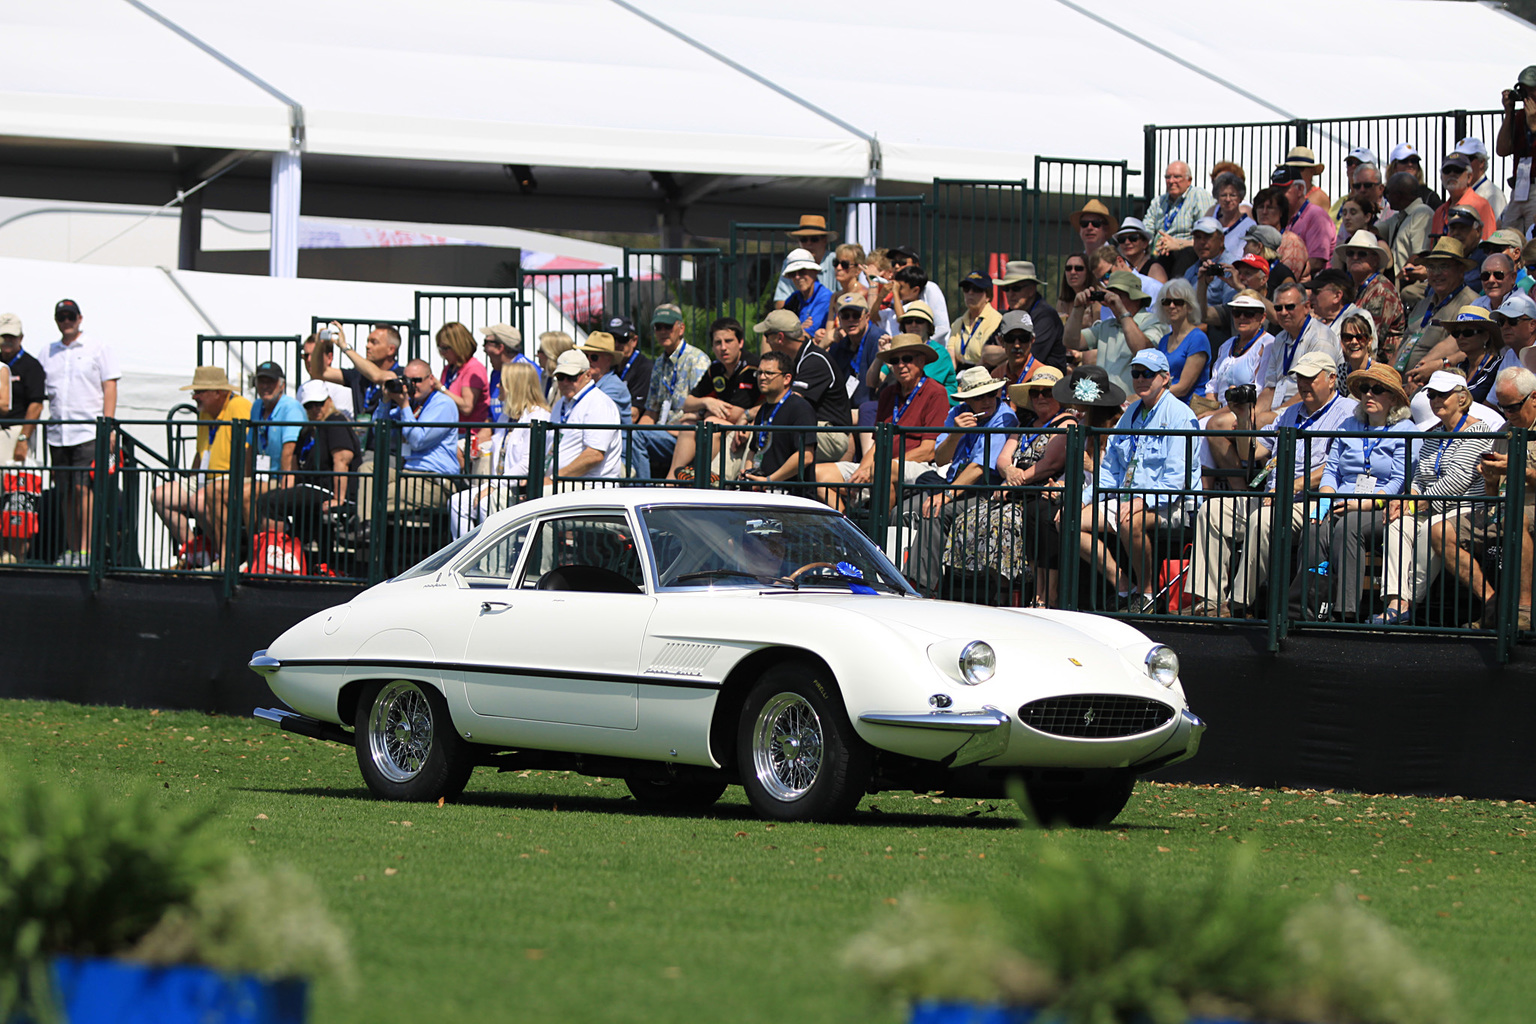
x=552, y=897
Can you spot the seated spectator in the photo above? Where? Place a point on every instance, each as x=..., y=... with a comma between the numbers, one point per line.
x=1207, y=276
x=1134, y=243
x=1309, y=220
x=1425, y=347
x=965, y=461
x=1017, y=334
x=1241, y=359
x=429, y=449
x=602, y=353
x=977, y=324
x=1407, y=233
x=677, y=370
x=588, y=446
x=326, y=454
x=508, y=450
x=633, y=366
x=1456, y=176
x=773, y=456
x=1230, y=190
x=1332, y=294
x=1497, y=278
x=368, y=372
x=1301, y=333
x=812, y=238
x=1251, y=520
x=917, y=319
x=1480, y=341
x=852, y=342
x=552, y=345
x=1131, y=327
x=1517, y=329
x=1357, y=340
x=1360, y=469
x=1356, y=214
x=1186, y=346
x=1004, y=537
x=1443, y=470
x=904, y=258
x=722, y=396
x=1366, y=261
x=816, y=379
x=847, y=269
x=503, y=344
x=464, y=377
x=1144, y=479
x=810, y=300
x=202, y=494
x=1074, y=279
x=1172, y=216
x=276, y=421
x=1094, y=225
x=1459, y=542
x=910, y=400
x=1272, y=208
x=1022, y=288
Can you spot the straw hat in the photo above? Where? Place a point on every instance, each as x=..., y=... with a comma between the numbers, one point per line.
x=1364, y=241
x=599, y=341
x=1095, y=207
x=1378, y=373
x=1446, y=248
x=909, y=344
x=1043, y=377
x=976, y=381
x=813, y=224
x=918, y=310
x=209, y=378
x=1304, y=158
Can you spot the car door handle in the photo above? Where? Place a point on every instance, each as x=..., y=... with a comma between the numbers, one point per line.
x=486, y=606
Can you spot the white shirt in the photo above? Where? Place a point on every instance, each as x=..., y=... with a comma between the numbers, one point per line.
x=77, y=375
x=509, y=449
x=1243, y=369
x=569, y=418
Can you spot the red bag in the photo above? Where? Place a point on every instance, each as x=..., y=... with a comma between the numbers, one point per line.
x=19, y=492
x=275, y=553
x=1171, y=577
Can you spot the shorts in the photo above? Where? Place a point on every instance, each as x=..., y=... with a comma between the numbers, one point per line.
x=1478, y=529
x=1170, y=516
x=9, y=435
x=910, y=471
x=71, y=458
x=831, y=446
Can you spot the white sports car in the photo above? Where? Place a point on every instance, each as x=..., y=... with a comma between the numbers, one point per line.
x=683, y=640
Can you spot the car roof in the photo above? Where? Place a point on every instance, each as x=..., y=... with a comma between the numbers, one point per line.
x=635, y=497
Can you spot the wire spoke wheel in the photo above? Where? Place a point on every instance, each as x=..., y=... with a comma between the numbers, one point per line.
x=787, y=746
x=400, y=729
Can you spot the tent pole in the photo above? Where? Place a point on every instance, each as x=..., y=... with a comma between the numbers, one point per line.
x=287, y=184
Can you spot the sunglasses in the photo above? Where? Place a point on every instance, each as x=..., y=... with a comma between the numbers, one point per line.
x=413, y=381
x=1438, y=396
x=1173, y=302
x=1375, y=389
x=1142, y=373
x=1466, y=332
x=968, y=287
x=1492, y=275
x=1093, y=222
x=1076, y=270
x=66, y=318
x=1359, y=185
x=1246, y=314
x=1014, y=287
x=1512, y=409
x=849, y=314
x=1351, y=336
x=567, y=376
x=1286, y=307
x=903, y=360
x=844, y=264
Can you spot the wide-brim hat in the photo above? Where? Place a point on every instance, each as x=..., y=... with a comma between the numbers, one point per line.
x=209, y=378
x=1304, y=158
x=800, y=259
x=1128, y=284
x=1364, y=241
x=1378, y=373
x=976, y=382
x=909, y=344
x=1475, y=316
x=917, y=310
x=599, y=341
x=1019, y=272
x=1134, y=226
x=1043, y=377
x=812, y=224
x=1095, y=207
x=1446, y=248
x=1088, y=385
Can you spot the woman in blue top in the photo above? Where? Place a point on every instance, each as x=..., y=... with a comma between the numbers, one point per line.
x=1362, y=471
x=1186, y=346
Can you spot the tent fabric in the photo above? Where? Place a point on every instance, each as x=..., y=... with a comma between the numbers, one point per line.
x=587, y=83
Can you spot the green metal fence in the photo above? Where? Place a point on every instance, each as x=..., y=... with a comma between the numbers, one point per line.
x=239, y=355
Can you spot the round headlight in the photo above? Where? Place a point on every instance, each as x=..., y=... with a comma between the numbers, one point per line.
x=1163, y=664
x=977, y=662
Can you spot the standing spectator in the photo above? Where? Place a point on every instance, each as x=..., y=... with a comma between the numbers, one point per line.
x=1407, y=230
x=1421, y=352
x=905, y=258
x=508, y=451
x=1207, y=276
x=201, y=495
x=1134, y=243
x=588, y=445
x=1516, y=135
x=1022, y=288
x=1456, y=176
x=327, y=449
x=1309, y=220
x=1366, y=260
x=778, y=455
x=723, y=395
x=81, y=377
x=1228, y=212
x=1187, y=347
x=816, y=379
x=1131, y=327
x=811, y=300
x=677, y=370
x=1093, y=223
x=1301, y=333
x=1272, y=209
x=28, y=384
x=464, y=378
x=367, y=374
x=977, y=324
x=1172, y=216
x=1302, y=159
x=634, y=368
x=503, y=344
x=341, y=395
x=428, y=444
x=1477, y=156
x=812, y=238
x=1155, y=469
x=276, y=422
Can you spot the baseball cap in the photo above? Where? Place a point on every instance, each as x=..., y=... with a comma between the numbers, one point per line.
x=1528, y=77
x=313, y=390
x=270, y=369
x=10, y=323
x=1516, y=305
x=667, y=313
x=572, y=361
x=1016, y=320
x=506, y=334
x=903, y=250
x=1472, y=146
x=1329, y=276
x=620, y=326
x=978, y=280
x=1253, y=260
x=1462, y=215
x=780, y=320
x=1207, y=226
x=1500, y=239
x=1455, y=161
x=853, y=300
x=1313, y=363
x=1442, y=380
x=1402, y=151
x=66, y=307
x=1266, y=235
x=1361, y=154
x=1152, y=359
x=1241, y=301
x=1284, y=175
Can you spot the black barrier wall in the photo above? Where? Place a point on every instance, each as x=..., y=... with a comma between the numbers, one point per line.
x=1372, y=714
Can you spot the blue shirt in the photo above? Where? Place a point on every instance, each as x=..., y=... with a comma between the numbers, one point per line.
x=427, y=448
x=1383, y=456
x=982, y=449
x=814, y=309
x=518, y=357
x=1149, y=463
x=270, y=439
x=610, y=385
x=1312, y=453
x=1194, y=343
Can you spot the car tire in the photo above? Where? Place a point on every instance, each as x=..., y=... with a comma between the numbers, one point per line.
x=798, y=755
x=682, y=794
x=1090, y=803
x=407, y=746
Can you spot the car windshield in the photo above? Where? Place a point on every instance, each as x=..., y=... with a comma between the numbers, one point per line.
x=435, y=561
x=756, y=546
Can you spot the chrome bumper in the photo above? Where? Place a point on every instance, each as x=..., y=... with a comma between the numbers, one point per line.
x=1182, y=745
x=264, y=665
x=989, y=729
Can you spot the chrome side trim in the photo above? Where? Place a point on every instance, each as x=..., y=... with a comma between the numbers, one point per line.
x=952, y=721
x=264, y=665
x=273, y=714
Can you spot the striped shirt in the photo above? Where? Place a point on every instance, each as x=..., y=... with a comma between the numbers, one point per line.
x=1176, y=217
x=1448, y=465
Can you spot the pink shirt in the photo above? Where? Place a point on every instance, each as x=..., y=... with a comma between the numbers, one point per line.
x=470, y=375
x=1316, y=229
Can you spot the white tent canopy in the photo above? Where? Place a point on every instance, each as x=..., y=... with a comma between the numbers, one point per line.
x=973, y=93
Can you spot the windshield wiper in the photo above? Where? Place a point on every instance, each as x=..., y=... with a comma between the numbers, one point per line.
x=718, y=574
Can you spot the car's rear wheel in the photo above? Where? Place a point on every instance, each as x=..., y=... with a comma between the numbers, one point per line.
x=799, y=757
x=407, y=748
x=682, y=794
x=1092, y=802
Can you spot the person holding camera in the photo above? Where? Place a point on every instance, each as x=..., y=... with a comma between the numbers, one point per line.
x=1132, y=327
x=428, y=442
x=1517, y=138
x=367, y=374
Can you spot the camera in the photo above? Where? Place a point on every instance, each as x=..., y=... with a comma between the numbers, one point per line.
x=394, y=385
x=1242, y=394
x=1097, y=294
x=326, y=334
x=1519, y=92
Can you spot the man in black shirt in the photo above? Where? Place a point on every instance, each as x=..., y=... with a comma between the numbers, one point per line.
x=816, y=379
x=27, y=390
x=326, y=452
x=1024, y=291
x=778, y=454
x=633, y=368
x=724, y=395
x=367, y=374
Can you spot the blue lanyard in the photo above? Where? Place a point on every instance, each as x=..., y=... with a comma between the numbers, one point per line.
x=1028, y=442
x=966, y=452
x=1367, y=283
x=309, y=445
x=493, y=397
x=1290, y=350
x=1168, y=217
x=629, y=362
x=1299, y=211
x=1024, y=373
x=371, y=393
x=11, y=362
x=975, y=326
x=569, y=407
x=1146, y=414
x=261, y=432
x=762, y=435
x=1304, y=424
x=1433, y=309
x=896, y=416
x=1447, y=442
x=450, y=374
x=1370, y=446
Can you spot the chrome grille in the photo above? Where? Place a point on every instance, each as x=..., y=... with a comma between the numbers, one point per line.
x=1095, y=715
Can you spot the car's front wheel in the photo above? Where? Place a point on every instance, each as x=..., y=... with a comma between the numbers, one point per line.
x=799, y=757
x=680, y=794
x=1092, y=802
x=407, y=747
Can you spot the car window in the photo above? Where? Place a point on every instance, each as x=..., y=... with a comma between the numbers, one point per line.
x=494, y=566
x=599, y=548
x=435, y=561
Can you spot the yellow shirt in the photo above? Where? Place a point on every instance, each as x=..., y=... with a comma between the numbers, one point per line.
x=237, y=408
x=967, y=336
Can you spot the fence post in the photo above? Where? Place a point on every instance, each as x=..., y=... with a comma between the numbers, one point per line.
x=100, y=508
x=383, y=444
x=235, y=505
x=703, y=444
x=1149, y=160
x=1280, y=541
x=1459, y=118
x=538, y=446
x=1300, y=125
x=1070, y=558
x=1514, y=540
x=880, y=486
